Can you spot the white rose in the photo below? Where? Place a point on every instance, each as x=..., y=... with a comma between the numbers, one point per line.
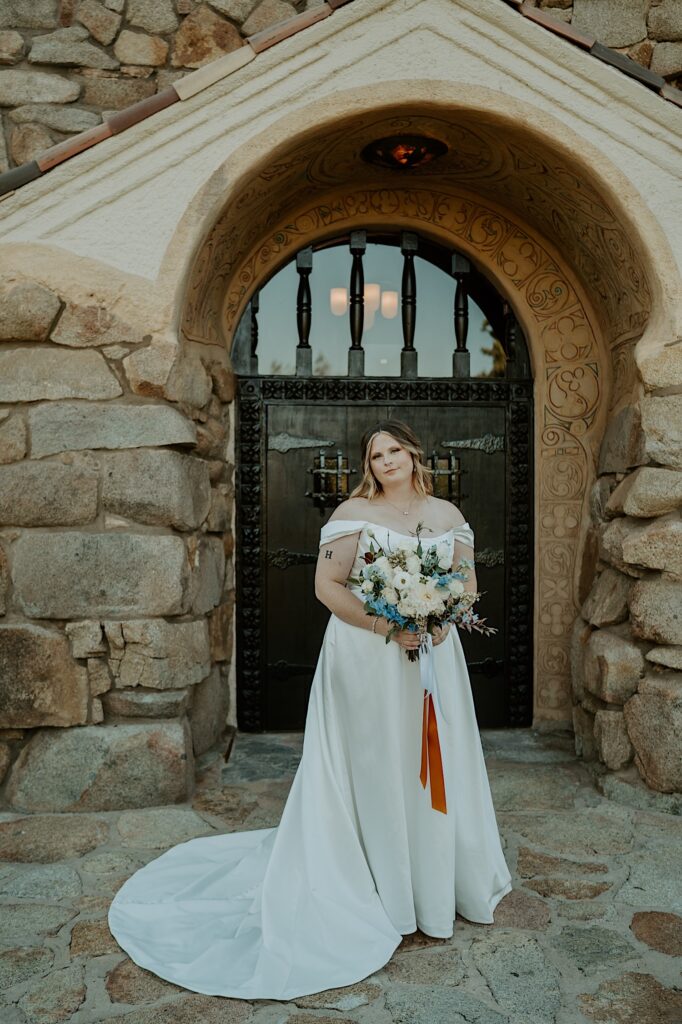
x=367, y=586
x=444, y=555
x=456, y=587
x=383, y=565
x=390, y=595
x=413, y=564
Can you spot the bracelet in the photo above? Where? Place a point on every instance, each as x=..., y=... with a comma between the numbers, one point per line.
x=374, y=624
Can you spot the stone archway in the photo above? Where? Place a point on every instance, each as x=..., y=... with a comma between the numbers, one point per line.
x=493, y=159
x=572, y=374
x=557, y=247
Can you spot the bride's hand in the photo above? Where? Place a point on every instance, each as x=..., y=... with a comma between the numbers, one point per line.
x=440, y=633
x=405, y=637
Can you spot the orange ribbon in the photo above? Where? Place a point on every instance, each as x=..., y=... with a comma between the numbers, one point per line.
x=432, y=763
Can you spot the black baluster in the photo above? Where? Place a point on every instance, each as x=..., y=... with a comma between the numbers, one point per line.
x=253, y=362
x=408, y=357
x=356, y=353
x=304, y=306
x=461, y=360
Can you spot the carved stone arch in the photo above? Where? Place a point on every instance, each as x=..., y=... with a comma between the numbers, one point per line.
x=571, y=368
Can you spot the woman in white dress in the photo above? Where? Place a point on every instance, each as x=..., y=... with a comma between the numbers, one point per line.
x=360, y=856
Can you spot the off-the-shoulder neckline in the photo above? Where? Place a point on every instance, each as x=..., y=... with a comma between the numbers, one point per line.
x=382, y=526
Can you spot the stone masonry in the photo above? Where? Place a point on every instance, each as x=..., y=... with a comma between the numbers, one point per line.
x=627, y=643
x=591, y=932
x=116, y=578
x=116, y=584
x=64, y=64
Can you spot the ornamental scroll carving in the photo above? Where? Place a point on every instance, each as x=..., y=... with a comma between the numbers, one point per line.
x=496, y=162
x=569, y=367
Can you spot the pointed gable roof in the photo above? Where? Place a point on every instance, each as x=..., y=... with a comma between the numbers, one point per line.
x=197, y=81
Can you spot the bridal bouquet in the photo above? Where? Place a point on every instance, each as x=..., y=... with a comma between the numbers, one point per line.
x=418, y=589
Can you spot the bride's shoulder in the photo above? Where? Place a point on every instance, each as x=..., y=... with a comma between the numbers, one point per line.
x=352, y=508
x=449, y=512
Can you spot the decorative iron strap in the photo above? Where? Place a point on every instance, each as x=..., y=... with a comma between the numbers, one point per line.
x=489, y=557
x=283, y=559
x=489, y=443
x=287, y=442
x=281, y=670
x=519, y=567
x=347, y=389
x=489, y=667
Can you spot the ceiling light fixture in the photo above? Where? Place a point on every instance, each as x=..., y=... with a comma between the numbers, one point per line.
x=403, y=152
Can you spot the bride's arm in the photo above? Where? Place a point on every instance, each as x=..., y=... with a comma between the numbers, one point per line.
x=334, y=564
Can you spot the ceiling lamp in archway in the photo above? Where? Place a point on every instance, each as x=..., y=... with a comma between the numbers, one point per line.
x=403, y=152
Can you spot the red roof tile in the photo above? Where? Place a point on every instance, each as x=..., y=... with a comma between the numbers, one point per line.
x=76, y=144
x=129, y=116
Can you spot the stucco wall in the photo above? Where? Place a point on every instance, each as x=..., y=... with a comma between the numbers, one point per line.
x=136, y=190
x=102, y=55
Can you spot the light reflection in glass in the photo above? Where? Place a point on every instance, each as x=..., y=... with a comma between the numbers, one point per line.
x=382, y=338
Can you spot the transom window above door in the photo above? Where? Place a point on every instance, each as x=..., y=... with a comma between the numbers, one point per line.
x=379, y=305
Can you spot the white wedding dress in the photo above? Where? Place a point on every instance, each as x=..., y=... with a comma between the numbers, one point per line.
x=360, y=856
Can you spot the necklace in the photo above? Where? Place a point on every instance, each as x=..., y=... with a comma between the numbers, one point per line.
x=399, y=509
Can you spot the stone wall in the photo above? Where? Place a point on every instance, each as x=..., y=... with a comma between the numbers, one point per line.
x=627, y=643
x=116, y=584
x=64, y=64
x=648, y=31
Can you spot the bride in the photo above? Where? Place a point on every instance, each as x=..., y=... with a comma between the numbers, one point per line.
x=360, y=856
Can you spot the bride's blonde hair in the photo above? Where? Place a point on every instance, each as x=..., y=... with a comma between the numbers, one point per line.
x=369, y=487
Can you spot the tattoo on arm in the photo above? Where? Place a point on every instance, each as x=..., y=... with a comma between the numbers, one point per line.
x=327, y=554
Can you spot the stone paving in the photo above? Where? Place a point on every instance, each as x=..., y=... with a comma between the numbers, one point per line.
x=592, y=931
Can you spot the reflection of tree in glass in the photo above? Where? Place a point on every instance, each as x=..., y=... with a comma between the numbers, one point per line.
x=279, y=368
x=496, y=352
x=322, y=366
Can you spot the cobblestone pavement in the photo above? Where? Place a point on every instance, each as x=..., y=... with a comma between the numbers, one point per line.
x=591, y=932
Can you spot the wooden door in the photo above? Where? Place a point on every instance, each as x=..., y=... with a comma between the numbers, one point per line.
x=283, y=425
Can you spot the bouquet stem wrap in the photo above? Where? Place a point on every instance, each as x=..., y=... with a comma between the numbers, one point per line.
x=432, y=761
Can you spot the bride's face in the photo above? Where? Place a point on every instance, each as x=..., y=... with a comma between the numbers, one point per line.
x=390, y=462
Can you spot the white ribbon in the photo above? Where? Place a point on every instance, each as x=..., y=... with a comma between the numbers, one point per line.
x=427, y=673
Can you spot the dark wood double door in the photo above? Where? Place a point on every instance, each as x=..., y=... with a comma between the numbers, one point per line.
x=477, y=433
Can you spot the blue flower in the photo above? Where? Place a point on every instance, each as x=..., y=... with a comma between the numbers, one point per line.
x=380, y=606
